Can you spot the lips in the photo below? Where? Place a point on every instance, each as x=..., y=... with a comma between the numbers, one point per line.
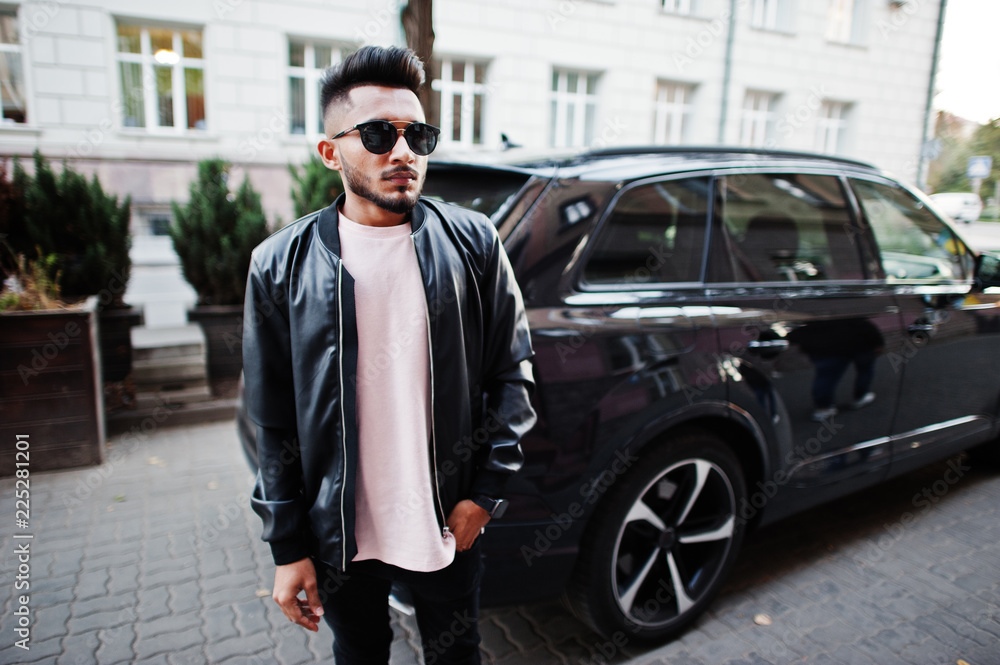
x=401, y=177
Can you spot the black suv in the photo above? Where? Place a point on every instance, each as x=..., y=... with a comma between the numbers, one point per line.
x=723, y=338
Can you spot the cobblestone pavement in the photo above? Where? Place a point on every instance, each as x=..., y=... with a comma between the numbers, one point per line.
x=155, y=557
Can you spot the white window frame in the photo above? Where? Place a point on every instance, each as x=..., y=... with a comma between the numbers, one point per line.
x=465, y=90
x=311, y=75
x=672, y=112
x=831, y=126
x=845, y=21
x=757, y=118
x=14, y=49
x=576, y=103
x=147, y=62
x=682, y=7
x=769, y=14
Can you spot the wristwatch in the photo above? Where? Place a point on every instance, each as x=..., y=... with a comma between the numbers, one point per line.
x=495, y=507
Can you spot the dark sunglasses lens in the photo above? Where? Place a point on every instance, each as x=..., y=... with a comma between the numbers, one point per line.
x=378, y=137
x=421, y=138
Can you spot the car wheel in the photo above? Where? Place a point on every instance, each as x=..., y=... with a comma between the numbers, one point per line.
x=662, y=541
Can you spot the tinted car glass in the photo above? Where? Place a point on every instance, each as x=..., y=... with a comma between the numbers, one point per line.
x=915, y=245
x=788, y=227
x=654, y=233
x=481, y=189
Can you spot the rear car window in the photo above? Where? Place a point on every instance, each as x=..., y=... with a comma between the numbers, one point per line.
x=788, y=227
x=484, y=190
x=655, y=233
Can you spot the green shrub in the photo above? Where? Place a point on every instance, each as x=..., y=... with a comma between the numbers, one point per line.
x=215, y=232
x=315, y=186
x=72, y=219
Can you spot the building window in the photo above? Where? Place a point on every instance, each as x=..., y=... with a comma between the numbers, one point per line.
x=678, y=6
x=162, y=78
x=831, y=126
x=11, y=70
x=573, y=108
x=459, y=93
x=757, y=120
x=845, y=21
x=306, y=63
x=770, y=14
x=672, y=112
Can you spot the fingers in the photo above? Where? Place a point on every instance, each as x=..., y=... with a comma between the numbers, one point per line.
x=289, y=580
x=312, y=603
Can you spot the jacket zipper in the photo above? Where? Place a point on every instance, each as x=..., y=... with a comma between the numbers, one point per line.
x=343, y=418
x=430, y=360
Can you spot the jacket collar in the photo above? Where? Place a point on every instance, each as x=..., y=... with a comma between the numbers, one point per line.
x=329, y=218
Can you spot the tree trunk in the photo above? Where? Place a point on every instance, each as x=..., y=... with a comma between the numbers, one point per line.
x=419, y=28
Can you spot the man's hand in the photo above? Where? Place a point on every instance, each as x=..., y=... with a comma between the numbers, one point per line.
x=289, y=580
x=466, y=522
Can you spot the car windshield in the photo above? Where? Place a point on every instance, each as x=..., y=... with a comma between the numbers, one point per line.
x=485, y=190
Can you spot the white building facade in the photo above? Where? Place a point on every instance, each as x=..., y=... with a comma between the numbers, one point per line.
x=138, y=91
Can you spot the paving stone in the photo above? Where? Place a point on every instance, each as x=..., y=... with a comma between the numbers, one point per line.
x=49, y=622
x=518, y=630
x=238, y=647
x=165, y=643
x=117, y=603
x=98, y=620
x=184, y=597
x=192, y=656
x=833, y=634
x=116, y=645
x=494, y=639
x=79, y=650
x=152, y=603
x=879, y=653
x=228, y=582
x=251, y=617
x=219, y=623
x=39, y=652
x=172, y=623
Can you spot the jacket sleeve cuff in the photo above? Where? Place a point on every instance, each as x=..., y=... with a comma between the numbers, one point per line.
x=490, y=483
x=288, y=551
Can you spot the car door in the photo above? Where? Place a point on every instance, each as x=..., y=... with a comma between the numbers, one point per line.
x=950, y=363
x=807, y=331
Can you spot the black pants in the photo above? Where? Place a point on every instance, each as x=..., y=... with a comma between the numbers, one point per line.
x=356, y=606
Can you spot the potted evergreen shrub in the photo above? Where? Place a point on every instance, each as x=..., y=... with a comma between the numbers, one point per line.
x=65, y=259
x=214, y=234
x=66, y=216
x=314, y=186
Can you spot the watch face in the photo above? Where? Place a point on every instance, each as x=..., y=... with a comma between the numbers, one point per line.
x=499, y=508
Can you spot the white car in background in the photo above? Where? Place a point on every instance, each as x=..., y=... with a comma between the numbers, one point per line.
x=959, y=206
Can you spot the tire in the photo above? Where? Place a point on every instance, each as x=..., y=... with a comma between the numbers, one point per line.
x=662, y=541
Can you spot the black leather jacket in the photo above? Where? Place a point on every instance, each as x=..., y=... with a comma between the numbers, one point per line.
x=300, y=353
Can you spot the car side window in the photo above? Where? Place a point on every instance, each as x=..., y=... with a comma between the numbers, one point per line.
x=787, y=227
x=913, y=243
x=654, y=234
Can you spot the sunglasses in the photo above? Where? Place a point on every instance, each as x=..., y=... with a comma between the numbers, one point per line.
x=380, y=136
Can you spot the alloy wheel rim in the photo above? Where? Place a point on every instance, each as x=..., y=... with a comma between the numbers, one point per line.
x=673, y=543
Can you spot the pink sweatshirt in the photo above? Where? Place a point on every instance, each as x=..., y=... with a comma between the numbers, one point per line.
x=395, y=508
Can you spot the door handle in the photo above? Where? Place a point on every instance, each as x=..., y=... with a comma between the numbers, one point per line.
x=775, y=344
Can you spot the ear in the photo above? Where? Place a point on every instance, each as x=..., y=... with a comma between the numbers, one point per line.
x=328, y=153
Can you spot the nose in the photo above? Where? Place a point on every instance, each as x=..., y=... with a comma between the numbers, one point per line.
x=401, y=150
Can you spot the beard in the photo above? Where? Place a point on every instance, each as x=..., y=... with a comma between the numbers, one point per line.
x=361, y=184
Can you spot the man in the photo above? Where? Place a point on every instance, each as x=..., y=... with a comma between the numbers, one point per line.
x=387, y=366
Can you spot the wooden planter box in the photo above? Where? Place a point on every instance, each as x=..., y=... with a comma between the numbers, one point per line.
x=223, y=327
x=116, y=341
x=51, y=388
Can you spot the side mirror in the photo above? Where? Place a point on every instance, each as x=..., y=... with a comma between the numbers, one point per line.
x=987, y=271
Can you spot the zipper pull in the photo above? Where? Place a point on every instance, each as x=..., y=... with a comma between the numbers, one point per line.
x=445, y=532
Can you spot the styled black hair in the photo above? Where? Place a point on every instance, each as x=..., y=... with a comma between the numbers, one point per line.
x=391, y=66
